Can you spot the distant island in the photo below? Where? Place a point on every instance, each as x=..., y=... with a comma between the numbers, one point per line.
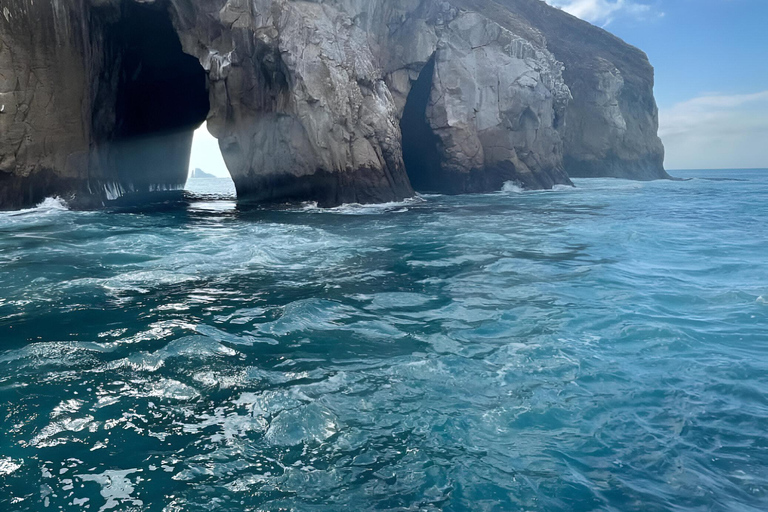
x=199, y=174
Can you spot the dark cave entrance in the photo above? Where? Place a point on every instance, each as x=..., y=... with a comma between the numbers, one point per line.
x=420, y=143
x=161, y=98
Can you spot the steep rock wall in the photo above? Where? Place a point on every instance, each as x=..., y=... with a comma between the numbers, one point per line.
x=83, y=114
x=337, y=77
x=307, y=98
x=612, y=122
x=44, y=101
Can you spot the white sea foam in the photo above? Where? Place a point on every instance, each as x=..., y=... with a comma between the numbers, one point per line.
x=366, y=209
x=48, y=205
x=8, y=465
x=53, y=204
x=45, y=212
x=512, y=187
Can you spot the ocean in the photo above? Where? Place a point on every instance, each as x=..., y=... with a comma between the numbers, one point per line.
x=603, y=347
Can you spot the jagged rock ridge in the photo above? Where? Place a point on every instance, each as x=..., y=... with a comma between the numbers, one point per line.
x=333, y=101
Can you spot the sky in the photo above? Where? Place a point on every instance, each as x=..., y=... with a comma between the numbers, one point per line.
x=206, y=154
x=711, y=61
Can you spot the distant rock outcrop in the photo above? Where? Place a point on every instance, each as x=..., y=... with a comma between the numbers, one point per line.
x=333, y=101
x=199, y=174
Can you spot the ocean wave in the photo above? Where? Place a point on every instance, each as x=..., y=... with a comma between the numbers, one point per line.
x=50, y=205
x=53, y=204
x=512, y=187
x=366, y=209
x=53, y=353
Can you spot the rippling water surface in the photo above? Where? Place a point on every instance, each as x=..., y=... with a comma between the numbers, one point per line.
x=596, y=348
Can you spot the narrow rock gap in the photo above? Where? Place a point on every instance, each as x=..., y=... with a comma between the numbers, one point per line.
x=421, y=153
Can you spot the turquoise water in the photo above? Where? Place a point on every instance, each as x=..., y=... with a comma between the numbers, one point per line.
x=596, y=348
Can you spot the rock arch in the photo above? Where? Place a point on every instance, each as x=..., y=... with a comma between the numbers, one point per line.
x=310, y=100
x=158, y=96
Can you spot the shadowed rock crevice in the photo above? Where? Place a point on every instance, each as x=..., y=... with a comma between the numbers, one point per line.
x=420, y=143
x=161, y=98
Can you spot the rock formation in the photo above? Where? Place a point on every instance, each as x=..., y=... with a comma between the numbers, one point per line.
x=333, y=101
x=612, y=120
x=199, y=174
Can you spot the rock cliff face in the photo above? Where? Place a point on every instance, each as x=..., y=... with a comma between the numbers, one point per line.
x=612, y=120
x=332, y=101
x=44, y=135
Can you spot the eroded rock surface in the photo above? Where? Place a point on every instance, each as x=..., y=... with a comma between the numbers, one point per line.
x=315, y=100
x=612, y=122
x=44, y=134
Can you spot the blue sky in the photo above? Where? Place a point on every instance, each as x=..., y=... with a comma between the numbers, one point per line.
x=711, y=60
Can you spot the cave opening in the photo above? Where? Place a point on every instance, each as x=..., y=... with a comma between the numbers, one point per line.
x=208, y=173
x=421, y=154
x=161, y=98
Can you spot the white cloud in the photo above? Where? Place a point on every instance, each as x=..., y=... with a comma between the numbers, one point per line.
x=716, y=131
x=717, y=101
x=601, y=12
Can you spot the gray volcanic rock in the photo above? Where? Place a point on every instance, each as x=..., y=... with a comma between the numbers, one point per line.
x=330, y=131
x=333, y=101
x=299, y=104
x=612, y=122
x=42, y=93
x=495, y=104
x=92, y=108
